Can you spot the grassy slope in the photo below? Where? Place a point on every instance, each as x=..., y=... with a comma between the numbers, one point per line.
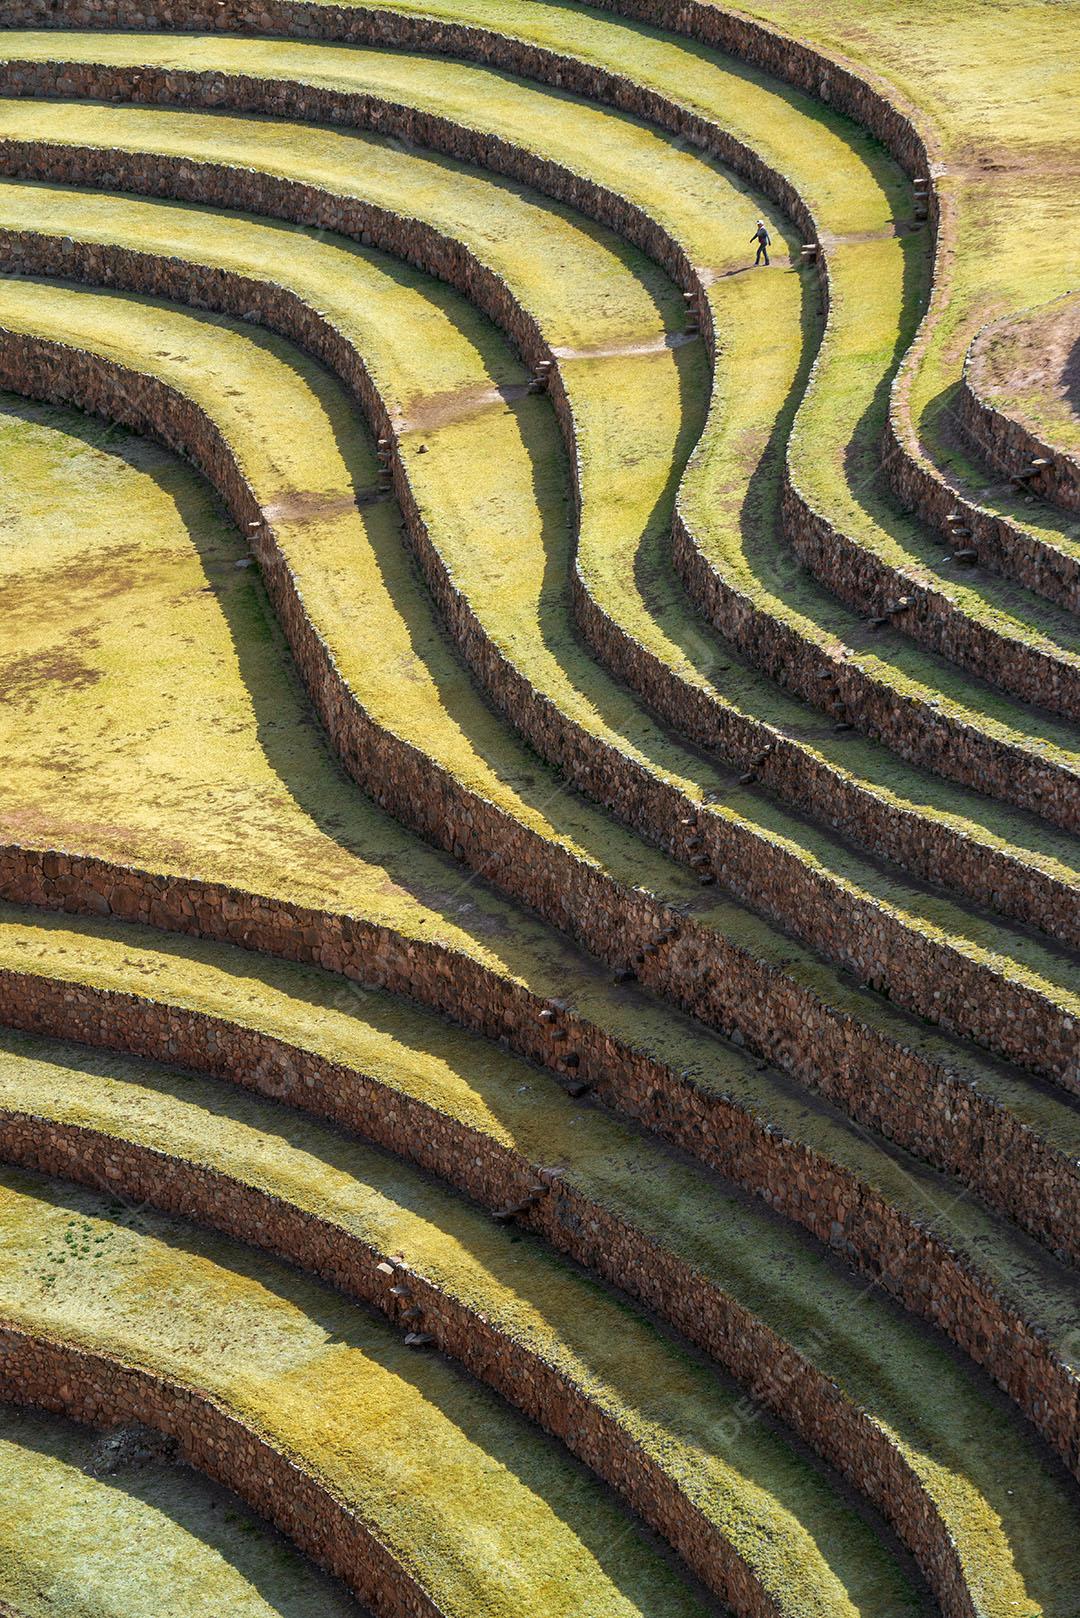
x=487, y=1514
x=1027, y=366
x=744, y=1480
x=840, y=427
x=244, y=790
x=992, y=80
x=702, y=209
x=882, y=1360
x=466, y=480
x=312, y=1010
x=144, y=1538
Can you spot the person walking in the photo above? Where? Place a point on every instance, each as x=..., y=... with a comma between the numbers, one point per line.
x=764, y=242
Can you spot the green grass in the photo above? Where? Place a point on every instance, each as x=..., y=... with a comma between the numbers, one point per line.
x=475, y=510
x=244, y=792
x=730, y=1466
x=992, y=85
x=145, y=1538
x=523, y=609
x=484, y=1512
x=224, y=981
x=882, y=1360
x=705, y=211
x=1020, y=370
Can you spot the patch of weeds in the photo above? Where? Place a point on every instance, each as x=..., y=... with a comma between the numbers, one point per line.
x=81, y=1243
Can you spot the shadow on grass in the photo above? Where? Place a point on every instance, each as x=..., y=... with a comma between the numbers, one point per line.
x=266, y=1562
x=652, y=1381
x=624, y=1551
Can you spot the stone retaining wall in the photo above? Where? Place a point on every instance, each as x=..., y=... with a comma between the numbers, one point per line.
x=774, y=53
x=1008, y=445
x=960, y=1308
x=922, y=1111
x=1002, y=545
x=220, y=15
x=912, y=1263
x=857, y=576
x=788, y=1383
x=1006, y=772
x=863, y=937
x=929, y=848
x=802, y=1031
x=926, y=736
x=101, y=1391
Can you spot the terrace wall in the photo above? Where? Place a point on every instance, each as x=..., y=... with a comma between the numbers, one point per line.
x=576, y=896
x=1002, y=545
x=773, y=879
x=791, y=1386
x=1007, y=445
x=908, y=1261
x=103, y=1392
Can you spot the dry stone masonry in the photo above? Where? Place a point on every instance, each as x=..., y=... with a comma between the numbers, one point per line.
x=942, y=1059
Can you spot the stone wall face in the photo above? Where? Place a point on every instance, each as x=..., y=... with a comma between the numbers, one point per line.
x=692, y=965
x=539, y=1388
x=932, y=740
x=856, y=576
x=776, y=54
x=1008, y=446
x=91, y=1387
x=1002, y=546
x=909, y=1261
x=928, y=848
x=459, y=988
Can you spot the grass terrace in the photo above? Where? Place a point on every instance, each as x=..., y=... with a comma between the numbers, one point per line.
x=472, y=750
x=856, y=1338
x=394, y=1436
x=1027, y=369
x=464, y=825
x=94, y=1527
